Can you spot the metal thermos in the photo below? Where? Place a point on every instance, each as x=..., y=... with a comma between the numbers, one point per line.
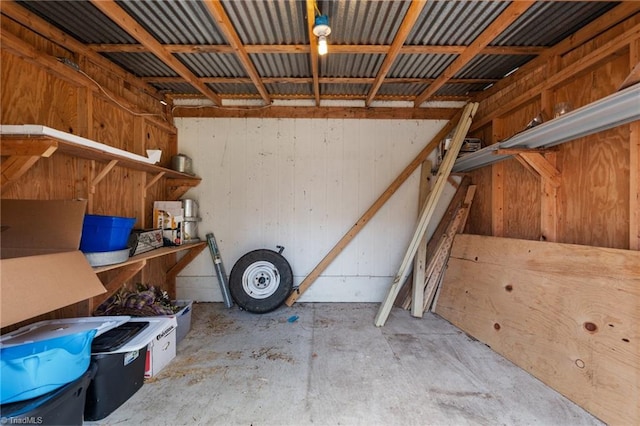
x=181, y=163
x=191, y=220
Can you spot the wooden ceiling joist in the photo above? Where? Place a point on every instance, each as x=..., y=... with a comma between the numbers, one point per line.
x=321, y=80
x=224, y=24
x=616, y=15
x=506, y=18
x=127, y=23
x=318, y=112
x=335, y=48
x=403, y=32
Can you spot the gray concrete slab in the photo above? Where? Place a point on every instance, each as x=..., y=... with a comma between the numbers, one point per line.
x=332, y=366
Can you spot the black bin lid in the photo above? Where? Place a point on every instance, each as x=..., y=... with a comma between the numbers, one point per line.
x=117, y=337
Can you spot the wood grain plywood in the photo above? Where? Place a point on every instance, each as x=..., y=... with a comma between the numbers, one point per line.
x=479, y=221
x=36, y=96
x=112, y=125
x=567, y=314
x=596, y=190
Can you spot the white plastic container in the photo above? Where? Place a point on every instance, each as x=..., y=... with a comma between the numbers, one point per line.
x=160, y=338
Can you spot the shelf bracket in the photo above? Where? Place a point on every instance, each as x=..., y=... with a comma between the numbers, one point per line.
x=96, y=180
x=22, y=154
x=186, y=259
x=178, y=187
x=153, y=181
x=538, y=165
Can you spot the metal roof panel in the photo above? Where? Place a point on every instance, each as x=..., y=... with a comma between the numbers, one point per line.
x=142, y=64
x=350, y=65
x=269, y=21
x=175, y=22
x=281, y=64
x=80, y=19
x=213, y=64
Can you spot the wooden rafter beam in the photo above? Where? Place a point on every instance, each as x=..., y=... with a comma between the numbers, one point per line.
x=335, y=48
x=556, y=78
x=506, y=18
x=321, y=80
x=318, y=112
x=313, y=49
x=224, y=24
x=614, y=16
x=127, y=23
x=307, y=96
x=401, y=35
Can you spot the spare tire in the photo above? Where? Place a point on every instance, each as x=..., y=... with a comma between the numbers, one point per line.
x=260, y=281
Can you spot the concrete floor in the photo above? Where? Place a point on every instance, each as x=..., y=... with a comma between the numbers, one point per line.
x=332, y=366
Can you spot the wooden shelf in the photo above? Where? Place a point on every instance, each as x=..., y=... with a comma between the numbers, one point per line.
x=25, y=147
x=126, y=270
x=159, y=252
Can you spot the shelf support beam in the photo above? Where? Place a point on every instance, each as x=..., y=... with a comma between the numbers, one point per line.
x=23, y=153
x=152, y=182
x=541, y=167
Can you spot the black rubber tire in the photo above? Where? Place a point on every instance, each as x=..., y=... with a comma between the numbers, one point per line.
x=281, y=272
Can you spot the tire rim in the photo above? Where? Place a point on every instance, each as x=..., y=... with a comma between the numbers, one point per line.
x=260, y=280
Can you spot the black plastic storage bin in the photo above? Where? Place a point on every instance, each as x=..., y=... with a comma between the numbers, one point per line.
x=120, y=370
x=63, y=406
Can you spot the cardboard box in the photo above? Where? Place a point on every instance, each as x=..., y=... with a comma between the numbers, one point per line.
x=42, y=268
x=162, y=345
x=169, y=216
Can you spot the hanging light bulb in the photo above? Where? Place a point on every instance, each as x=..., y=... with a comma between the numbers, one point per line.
x=321, y=30
x=322, y=45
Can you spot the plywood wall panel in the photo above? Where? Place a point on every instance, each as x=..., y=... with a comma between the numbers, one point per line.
x=116, y=194
x=521, y=202
x=112, y=125
x=115, y=85
x=157, y=138
x=567, y=314
x=36, y=97
x=479, y=221
x=596, y=190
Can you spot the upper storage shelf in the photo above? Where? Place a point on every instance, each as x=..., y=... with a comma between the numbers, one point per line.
x=26, y=144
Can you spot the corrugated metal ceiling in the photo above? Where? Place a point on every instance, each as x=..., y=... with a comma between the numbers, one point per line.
x=275, y=36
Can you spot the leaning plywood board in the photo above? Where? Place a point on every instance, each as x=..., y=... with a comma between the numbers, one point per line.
x=568, y=314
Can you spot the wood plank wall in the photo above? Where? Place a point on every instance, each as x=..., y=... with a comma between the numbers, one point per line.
x=597, y=201
x=33, y=93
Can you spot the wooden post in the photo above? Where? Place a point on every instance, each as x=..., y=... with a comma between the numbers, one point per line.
x=548, y=192
x=497, y=186
x=634, y=165
x=420, y=262
x=432, y=201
